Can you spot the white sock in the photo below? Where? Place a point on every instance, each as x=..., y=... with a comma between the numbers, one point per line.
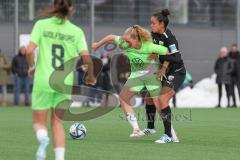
x=59, y=153
x=132, y=120
x=174, y=135
x=42, y=135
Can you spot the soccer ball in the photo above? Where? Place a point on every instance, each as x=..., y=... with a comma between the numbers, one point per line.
x=78, y=131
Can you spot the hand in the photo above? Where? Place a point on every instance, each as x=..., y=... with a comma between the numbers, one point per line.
x=90, y=79
x=95, y=46
x=31, y=72
x=161, y=73
x=84, y=67
x=153, y=56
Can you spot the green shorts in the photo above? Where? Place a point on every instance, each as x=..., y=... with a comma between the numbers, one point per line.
x=153, y=85
x=42, y=100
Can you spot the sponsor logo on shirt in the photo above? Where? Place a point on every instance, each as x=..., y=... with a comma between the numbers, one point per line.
x=177, y=70
x=137, y=62
x=161, y=42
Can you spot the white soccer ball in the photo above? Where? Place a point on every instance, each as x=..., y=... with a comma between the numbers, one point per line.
x=78, y=131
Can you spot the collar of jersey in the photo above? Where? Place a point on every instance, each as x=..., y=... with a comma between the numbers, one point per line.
x=58, y=20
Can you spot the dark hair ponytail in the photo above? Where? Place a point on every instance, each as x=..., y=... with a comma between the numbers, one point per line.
x=163, y=16
x=60, y=9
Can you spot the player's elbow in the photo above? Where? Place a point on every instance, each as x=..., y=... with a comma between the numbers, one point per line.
x=29, y=52
x=30, y=48
x=111, y=37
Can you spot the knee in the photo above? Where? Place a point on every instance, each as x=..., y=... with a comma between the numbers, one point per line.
x=55, y=121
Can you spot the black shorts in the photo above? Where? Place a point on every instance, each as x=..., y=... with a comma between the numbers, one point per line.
x=175, y=79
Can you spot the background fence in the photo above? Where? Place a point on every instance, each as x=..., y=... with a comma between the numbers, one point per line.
x=201, y=26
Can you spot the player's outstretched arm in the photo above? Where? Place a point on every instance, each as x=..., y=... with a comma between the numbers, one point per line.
x=103, y=41
x=159, y=49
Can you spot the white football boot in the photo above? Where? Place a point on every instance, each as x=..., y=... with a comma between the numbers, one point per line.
x=42, y=149
x=164, y=139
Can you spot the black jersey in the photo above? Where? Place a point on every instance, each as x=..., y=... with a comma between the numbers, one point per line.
x=168, y=40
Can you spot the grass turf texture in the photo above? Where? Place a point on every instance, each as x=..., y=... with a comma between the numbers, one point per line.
x=212, y=134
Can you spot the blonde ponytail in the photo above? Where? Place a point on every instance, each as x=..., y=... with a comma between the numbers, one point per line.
x=139, y=32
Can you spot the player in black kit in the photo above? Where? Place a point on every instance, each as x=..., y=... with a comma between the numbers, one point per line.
x=172, y=73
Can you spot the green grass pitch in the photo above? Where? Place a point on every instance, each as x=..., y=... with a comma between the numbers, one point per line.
x=205, y=134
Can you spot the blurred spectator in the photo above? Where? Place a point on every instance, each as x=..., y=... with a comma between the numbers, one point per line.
x=20, y=71
x=104, y=78
x=81, y=69
x=235, y=60
x=224, y=68
x=120, y=71
x=95, y=98
x=4, y=70
x=89, y=95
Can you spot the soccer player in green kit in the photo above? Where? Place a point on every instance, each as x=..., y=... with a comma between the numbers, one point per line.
x=58, y=41
x=137, y=43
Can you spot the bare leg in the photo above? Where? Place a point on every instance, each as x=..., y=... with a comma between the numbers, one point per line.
x=39, y=119
x=58, y=134
x=39, y=124
x=164, y=109
x=125, y=96
x=164, y=98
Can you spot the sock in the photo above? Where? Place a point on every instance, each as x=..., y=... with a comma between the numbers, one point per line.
x=42, y=135
x=165, y=114
x=150, y=114
x=132, y=120
x=59, y=153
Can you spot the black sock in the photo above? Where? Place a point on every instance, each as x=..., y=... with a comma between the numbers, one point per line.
x=150, y=113
x=165, y=114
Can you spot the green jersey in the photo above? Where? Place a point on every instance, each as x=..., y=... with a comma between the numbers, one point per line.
x=138, y=58
x=58, y=41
